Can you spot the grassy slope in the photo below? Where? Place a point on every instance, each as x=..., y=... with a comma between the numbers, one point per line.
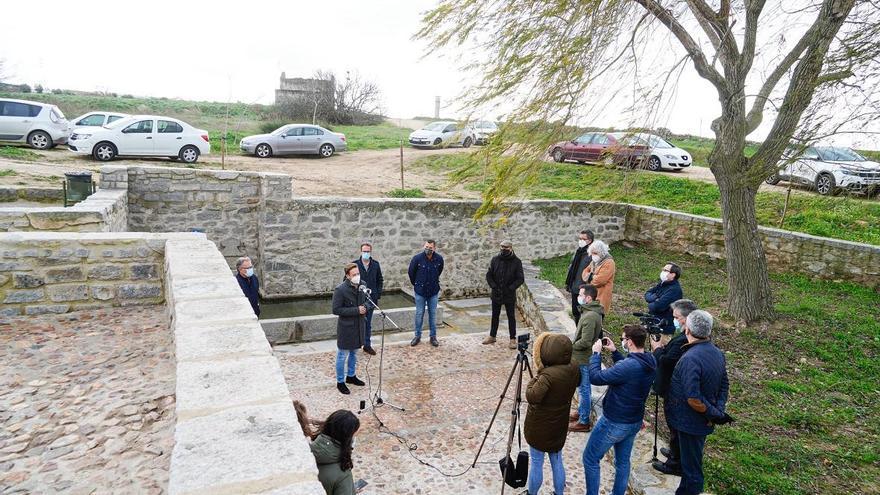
x=804, y=390
x=699, y=149
x=848, y=218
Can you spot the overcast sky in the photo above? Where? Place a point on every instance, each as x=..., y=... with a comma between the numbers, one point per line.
x=223, y=49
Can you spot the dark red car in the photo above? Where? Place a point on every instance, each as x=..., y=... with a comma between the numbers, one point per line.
x=610, y=148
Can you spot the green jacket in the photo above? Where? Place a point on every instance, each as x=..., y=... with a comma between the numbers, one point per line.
x=332, y=477
x=588, y=332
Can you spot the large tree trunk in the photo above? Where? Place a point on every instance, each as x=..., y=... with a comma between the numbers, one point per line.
x=749, y=296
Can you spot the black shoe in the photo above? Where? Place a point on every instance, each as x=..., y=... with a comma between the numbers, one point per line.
x=666, y=452
x=674, y=470
x=354, y=380
x=369, y=350
x=435, y=342
x=415, y=341
x=342, y=388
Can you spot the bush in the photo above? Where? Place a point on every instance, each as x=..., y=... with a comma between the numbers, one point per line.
x=24, y=88
x=406, y=193
x=267, y=127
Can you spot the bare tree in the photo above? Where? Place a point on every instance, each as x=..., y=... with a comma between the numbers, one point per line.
x=547, y=59
x=357, y=98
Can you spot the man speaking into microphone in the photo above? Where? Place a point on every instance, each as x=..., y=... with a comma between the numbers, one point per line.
x=349, y=305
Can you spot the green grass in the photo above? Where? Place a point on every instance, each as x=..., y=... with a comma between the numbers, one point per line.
x=699, y=149
x=805, y=390
x=8, y=172
x=17, y=153
x=373, y=137
x=406, y=193
x=848, y=218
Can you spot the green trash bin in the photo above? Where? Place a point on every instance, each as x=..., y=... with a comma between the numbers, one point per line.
x=77, y=187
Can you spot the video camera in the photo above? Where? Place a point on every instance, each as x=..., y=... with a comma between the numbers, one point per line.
x=651, y=324
x=522, y=342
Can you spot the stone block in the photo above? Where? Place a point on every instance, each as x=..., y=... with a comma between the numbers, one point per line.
x=46, y=309
x=205, y=288
x=280, y=331
x=14, y=311
x=65, y=274
x=68, y=292
x=144, y=271
x=105, y=272
x=204, y=311
x=219, y=340
x=103, y=292
x=26, y=281
x=139, y=291
x=23, y=296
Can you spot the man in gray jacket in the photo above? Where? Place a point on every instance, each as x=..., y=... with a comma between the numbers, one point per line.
x=349, y=306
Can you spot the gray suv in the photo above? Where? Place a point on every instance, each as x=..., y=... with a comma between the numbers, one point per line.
x=40, y=125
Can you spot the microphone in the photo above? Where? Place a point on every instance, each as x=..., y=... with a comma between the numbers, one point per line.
x=363, y=288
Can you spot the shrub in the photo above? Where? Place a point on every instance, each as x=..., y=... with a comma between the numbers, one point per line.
x=406, y=193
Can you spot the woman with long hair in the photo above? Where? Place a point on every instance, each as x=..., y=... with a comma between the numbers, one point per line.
x=332, y=449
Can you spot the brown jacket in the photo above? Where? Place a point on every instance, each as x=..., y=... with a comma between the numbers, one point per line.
x=603, y=280
x=549, y=393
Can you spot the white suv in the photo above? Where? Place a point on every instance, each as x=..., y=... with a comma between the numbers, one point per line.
x=829, y=170
x=40, y=125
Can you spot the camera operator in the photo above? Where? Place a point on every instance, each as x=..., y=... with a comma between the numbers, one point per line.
x=579, y=262
x=697, y=398
x=589, y=330
x=667, y=356
x=661, y=296
x=629, y=383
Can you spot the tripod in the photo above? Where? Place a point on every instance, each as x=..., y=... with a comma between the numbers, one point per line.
x=656, y=420
x=379, y=401
x=521, y=364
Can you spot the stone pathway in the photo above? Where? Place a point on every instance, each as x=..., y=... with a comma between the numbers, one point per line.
x=86, y=402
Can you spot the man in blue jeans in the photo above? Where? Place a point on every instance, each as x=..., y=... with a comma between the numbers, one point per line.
x=424, y=273
x=629, y=383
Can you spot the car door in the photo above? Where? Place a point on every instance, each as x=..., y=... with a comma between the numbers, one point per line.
x=15, y=120
x=577, y=149
x=169, y=138
x=805, y=169
x=136, y=139
x=311, y=139
x=288, y=141
x=597, y=147
x=451, y=134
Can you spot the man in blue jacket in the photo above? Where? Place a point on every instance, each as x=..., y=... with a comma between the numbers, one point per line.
x=424, y=273
x=371, y=276
x=629, y=383
x=697, y=398
x=248, y=281
x=661, y=296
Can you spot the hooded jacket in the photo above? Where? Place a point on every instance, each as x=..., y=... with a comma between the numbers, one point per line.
x=589, y=330
x=327, y=452
x=629, y=383
x=549, y=393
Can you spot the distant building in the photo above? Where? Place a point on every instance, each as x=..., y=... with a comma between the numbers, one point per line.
x=303, y=89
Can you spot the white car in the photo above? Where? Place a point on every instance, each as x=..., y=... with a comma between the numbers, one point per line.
x=664, y=154
x=484, y=130
x=40, y=125
x=142, y=135
x=829, y=170
x=438, y=134
x=93, y=119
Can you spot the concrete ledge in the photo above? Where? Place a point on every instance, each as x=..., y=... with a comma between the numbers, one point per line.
x=103, y=211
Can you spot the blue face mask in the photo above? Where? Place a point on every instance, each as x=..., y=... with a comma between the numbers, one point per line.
x=249, y=272
x=677, y=325
x=365, y=256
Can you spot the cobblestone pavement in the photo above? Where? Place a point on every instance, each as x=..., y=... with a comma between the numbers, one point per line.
x=86, y=402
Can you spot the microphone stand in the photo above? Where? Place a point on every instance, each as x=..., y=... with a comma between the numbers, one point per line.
x=379, y=401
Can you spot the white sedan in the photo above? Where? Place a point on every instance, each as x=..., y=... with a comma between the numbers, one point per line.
x=142, y=135
x=438, y=134
x=663, y=154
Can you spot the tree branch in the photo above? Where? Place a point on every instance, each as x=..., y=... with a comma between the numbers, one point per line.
x=753, y=12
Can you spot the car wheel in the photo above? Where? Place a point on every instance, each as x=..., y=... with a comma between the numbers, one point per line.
x=438, y=142
x=467, y=142
x=558, y=155
x=263, y=151
x=773, y=179
x=825, y=184
x=39, y=140
x=326, y=150
x=104, y=152
x=189, y=154
x=654, y=164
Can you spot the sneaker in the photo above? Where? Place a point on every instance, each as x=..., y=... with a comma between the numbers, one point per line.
x=511, y=344
x=342, y=388
x=415, y=341
x=354, y=380
x=489, y=340
x=674, y=469
x=369, y=350
x=435, y=342
x=578, y=427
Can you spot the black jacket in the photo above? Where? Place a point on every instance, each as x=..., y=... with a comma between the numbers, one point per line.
x=504, y=276
x=251, y=288
x=372, y=278
x=667, y=357
x=660, y=299
x=574, y=267
x=350, y=325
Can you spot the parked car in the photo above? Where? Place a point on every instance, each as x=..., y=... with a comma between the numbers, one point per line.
x=40, y=125
x=93, y=119
x=295, y=139
x=484, y=130
x=829, y=170
x=661, y=153
x=442, y=134
x=142, y=135
x=610, y=148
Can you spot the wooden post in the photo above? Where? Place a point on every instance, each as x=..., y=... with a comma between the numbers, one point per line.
x=785, y=207
x=402, y=186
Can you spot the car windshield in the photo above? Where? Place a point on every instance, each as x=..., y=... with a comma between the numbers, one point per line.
x=485, y=125
x=658, y=142
x=436, y=127
x=118, y=123
x=280, y=130
x=839, y=155
x=629, y=139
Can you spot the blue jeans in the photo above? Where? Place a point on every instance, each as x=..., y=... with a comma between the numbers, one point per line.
x=341, y=355
x=691, y=448
x=431, y=302
x=605, y=435
x=584, y=391
x=368, y=330
x=536, y=471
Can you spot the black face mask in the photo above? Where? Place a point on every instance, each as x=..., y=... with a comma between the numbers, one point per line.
x=506, y=252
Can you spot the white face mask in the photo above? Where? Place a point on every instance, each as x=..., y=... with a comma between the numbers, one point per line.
x=356, y=279
x=353, y=442
x=596, y=258
x=582, y=300
x=249, y=272
x=622, y=345
x=664, y=275
x=582, y=243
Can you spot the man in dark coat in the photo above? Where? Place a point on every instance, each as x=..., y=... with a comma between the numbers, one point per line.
x=349, y=306
x=549, y=396
x=661, y=296
x=424, y=273
x=371, y=276
x=248, y=282
x=579, y=263
x=505, y=275
x=697, y=398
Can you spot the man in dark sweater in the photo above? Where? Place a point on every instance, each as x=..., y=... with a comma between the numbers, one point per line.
x=371, y=276
x=424, y=273
x=248, y=281
x=504, y=276
x=579, y=262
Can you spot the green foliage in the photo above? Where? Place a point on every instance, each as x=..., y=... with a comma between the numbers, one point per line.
x=700, y=147
x=7, y=172
x=271, y=125
x=17, y=153
x=406, y=193
x=803, y=389
x=373, y=137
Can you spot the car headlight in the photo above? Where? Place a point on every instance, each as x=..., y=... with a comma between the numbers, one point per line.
x=245, y=143
x=80, y=136
x=849, y=172
x=671, y=157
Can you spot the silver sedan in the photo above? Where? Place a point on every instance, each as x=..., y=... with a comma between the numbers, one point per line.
x=293, y=139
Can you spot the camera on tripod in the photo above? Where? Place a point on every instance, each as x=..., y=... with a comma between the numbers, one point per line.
x=651, y=324
x=522, y=342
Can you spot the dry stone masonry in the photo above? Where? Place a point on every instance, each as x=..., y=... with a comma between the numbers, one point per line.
x=104, y=211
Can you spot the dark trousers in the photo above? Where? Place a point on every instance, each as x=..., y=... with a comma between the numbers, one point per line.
x=575, y=307
x=510, y=307
x=368, y=328
x=674, y=448
x=691, y=463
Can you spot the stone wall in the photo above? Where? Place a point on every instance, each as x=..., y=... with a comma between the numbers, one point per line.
x=39, y=194
x=786, y=251
x=104, y=211
x=305, y=242
x=47, y=272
